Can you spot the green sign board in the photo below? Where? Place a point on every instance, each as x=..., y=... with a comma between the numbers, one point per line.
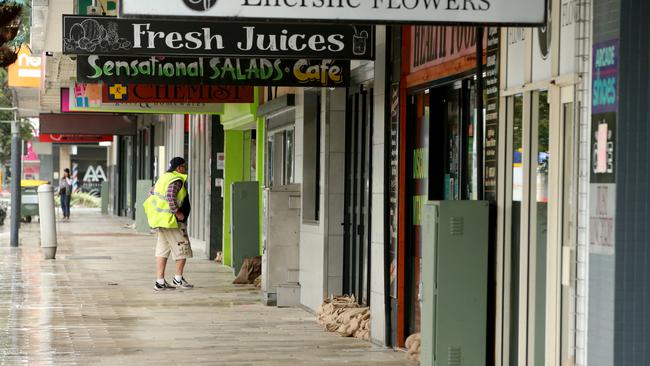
x=103, y=7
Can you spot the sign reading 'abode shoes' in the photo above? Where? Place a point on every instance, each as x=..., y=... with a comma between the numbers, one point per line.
x=213, y=71
x=128, y=37
x=530, y=12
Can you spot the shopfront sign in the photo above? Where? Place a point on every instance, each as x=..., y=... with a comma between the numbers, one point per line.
x=435, y=45
x=73, y=139
x=179, y=93
x=88, y=98
x=87, y=124
x=129, y=37
x=437, y=52
x=492, y=114
x=213, y=71
x=604, y=106
x=26, y=71
x=604, y=118
x=386, y=11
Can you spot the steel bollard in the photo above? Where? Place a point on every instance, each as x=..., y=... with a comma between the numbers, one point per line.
x=47, y=218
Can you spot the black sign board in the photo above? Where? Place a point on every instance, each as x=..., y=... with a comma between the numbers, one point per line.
x=129, y=37
x=213, y=70
x=492, y=115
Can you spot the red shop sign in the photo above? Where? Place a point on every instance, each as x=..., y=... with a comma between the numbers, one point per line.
x=170, y=93
x=73, y=139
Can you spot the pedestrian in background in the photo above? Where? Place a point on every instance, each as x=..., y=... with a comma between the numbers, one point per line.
x=167, y=209
x=65, y=193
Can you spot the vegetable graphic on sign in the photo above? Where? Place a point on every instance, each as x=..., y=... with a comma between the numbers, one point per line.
x=89, y=35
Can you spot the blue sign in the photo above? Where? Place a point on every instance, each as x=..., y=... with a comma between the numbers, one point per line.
x=605, y=77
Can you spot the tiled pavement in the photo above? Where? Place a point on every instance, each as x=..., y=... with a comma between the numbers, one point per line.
x=94, y=305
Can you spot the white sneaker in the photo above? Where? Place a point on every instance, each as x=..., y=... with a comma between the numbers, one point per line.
x=182, y=283
x=163, y=287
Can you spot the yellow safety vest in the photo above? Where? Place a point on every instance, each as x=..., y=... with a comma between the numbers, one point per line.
x=156, y=206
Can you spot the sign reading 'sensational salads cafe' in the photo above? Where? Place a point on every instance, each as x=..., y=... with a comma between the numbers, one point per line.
x=213, y=71
x=385, y=11
x=132, y=37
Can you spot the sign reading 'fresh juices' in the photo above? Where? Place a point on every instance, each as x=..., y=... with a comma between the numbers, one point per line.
x=128, y=37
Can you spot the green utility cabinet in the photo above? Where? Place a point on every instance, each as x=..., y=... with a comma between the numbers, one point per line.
x=244, y=222
x=104, y=196
x=141, y=195
x=454, y=283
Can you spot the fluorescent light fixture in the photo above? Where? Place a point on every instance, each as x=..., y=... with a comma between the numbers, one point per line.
x=106, y=143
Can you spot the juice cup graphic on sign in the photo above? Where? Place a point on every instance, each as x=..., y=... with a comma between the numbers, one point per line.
x=359, y=42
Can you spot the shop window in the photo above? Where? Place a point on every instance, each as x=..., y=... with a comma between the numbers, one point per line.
x=253, y=152
x=289, y=156
x=311, y=156
x=451, y=112
x=280, y=157
x=270, y=148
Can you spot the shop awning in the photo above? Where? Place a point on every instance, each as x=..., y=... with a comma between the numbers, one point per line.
x=87, y=124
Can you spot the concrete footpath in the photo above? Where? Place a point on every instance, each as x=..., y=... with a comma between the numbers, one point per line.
x=95, y=305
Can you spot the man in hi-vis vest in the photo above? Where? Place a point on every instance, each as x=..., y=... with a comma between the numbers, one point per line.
x=167, y=209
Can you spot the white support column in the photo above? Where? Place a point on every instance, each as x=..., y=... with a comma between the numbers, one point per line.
x=377, y=293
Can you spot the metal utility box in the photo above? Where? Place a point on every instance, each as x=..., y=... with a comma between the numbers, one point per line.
x=280, y=240
x=244, y=222
x=454, y=283
x=105, y=193
x=141, y=195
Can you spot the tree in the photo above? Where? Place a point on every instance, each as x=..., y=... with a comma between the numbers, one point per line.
x=10, y=24
x=14, y=27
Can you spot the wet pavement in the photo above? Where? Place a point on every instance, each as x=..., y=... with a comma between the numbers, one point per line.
x=94, y=305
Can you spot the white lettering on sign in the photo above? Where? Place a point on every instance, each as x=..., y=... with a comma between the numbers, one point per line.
x=602, y=218
x=25, y=60
x=606, y=56
x=176, y=40
x=95, y=174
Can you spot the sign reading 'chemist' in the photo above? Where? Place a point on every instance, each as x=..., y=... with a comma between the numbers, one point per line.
x=531, y=12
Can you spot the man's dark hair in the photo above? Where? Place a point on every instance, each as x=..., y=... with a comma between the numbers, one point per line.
x=175, y=163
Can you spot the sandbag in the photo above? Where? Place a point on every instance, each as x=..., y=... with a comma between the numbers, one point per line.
x=343, y=315
x=250, y=270
x=413, y=345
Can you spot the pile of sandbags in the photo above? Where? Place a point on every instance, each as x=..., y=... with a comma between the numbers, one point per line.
x=413, y=347
x=343, y=315
x=219, y=257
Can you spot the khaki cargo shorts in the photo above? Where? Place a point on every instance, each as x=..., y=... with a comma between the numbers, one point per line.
x=174, y=241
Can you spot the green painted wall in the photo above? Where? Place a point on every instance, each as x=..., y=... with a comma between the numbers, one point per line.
x=261, y=156
x=110, y=6
x=234, y=160
x=237, y=121
x=247, y=156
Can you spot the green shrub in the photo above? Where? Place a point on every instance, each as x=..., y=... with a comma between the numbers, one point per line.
x=85, y=200
x=80, y=199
